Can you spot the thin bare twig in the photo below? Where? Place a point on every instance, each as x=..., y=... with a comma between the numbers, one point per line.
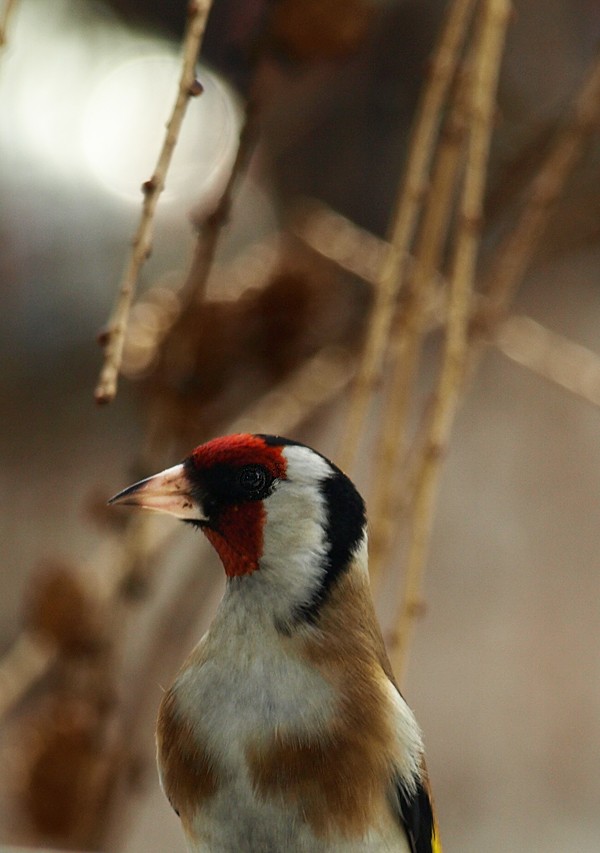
x=404, y=218
x=113, y=338
x=485, y=71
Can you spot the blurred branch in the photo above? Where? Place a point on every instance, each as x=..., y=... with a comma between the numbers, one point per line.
x=5, y=15
x=412, y=326
x=520, y=338
x=32, y=654
x=487, y=56
x=210, y=229
x=559, y=360
x=112, y=339
x=292, y=401
x=404, y=218
x=571, y=366
x=513, y=255
x=338, y=239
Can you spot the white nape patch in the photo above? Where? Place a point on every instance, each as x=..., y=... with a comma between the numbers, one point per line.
x=361, y=554
x=294, y=547
x=409, y=740
x=304, y=465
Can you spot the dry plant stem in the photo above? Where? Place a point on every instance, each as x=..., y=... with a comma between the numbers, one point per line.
x=210, y=230
x=5, y=15
x=404, y=219
x=570, y=365
x=514, y=255
x=408, y=341
x=338, y=240
x=487, y=55
x=114, y=337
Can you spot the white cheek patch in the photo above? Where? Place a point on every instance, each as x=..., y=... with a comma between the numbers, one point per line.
x=361, y=554
x=294, y=545
x=304, y=465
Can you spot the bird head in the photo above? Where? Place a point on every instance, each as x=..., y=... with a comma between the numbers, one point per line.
x=272, y=508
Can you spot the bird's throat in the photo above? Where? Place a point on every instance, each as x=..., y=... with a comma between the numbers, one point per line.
x=238, y=538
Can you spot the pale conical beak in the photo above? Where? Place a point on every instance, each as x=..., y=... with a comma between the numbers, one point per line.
x=169, y=491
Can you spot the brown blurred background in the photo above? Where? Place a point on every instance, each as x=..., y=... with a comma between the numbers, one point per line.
x=505, y=673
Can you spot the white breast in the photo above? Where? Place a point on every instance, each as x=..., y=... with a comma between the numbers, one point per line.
x=250, y=682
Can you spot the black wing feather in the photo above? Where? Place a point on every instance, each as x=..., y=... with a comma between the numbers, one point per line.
x=416, y=815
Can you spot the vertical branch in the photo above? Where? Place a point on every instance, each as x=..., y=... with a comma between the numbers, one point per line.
x=407, y=343
x=486, y=65
x=404, y=218
x=113, y=338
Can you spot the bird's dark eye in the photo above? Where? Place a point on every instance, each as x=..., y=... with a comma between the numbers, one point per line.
x=255, y=481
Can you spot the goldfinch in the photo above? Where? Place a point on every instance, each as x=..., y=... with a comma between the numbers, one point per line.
x=284, y=731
